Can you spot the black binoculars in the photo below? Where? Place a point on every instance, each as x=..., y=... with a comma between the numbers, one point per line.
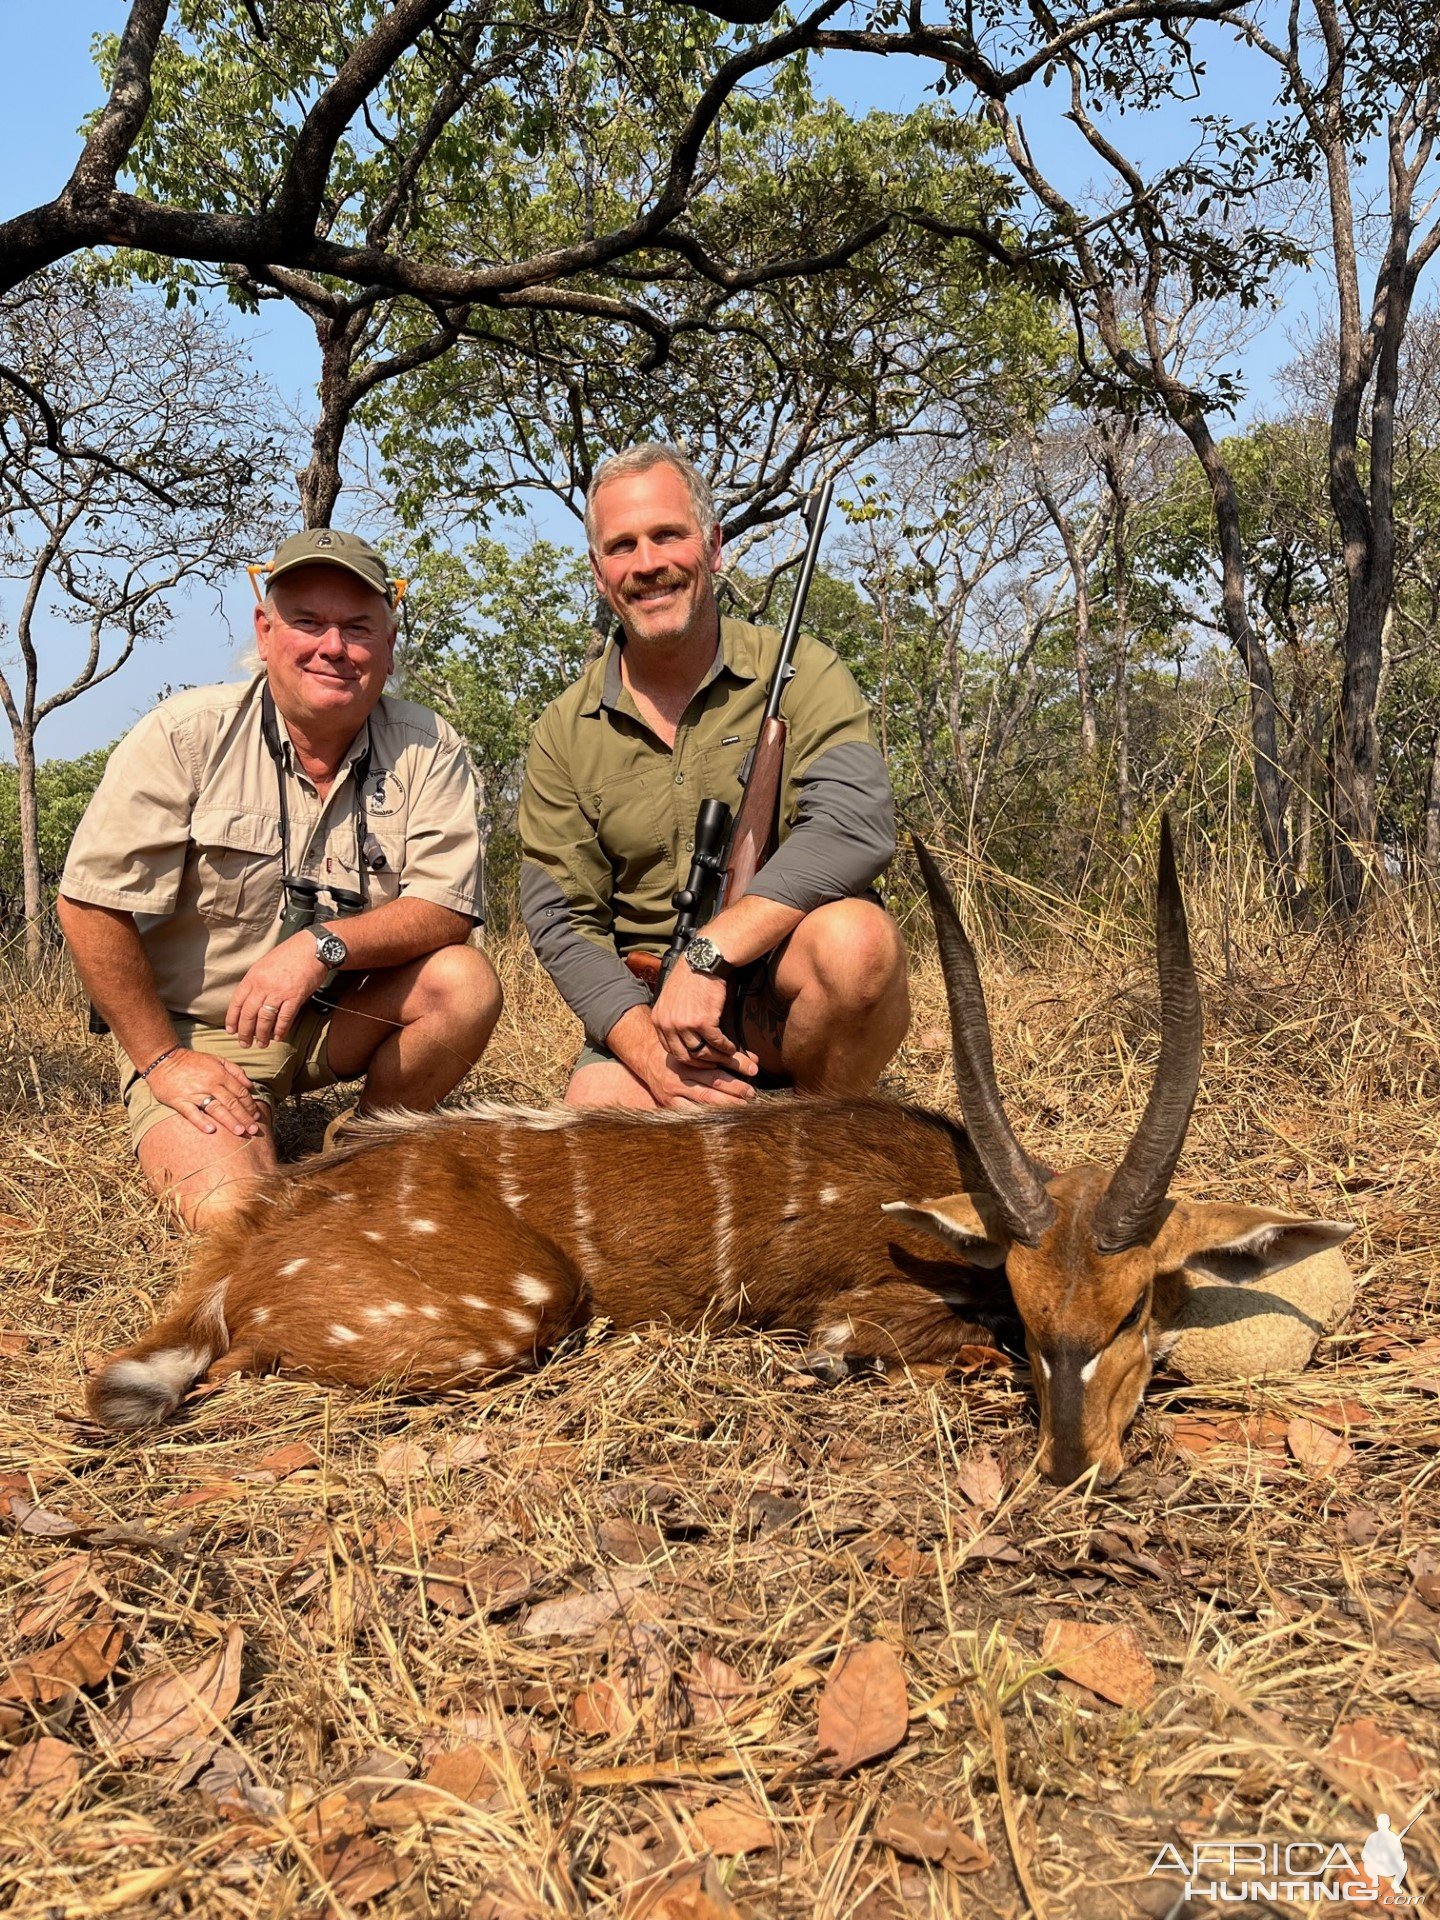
x=302, y=905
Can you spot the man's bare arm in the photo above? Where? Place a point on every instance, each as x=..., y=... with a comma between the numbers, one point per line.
x=269, y=1000
x=115, y=971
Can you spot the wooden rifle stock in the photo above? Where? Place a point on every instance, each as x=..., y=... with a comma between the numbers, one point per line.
x=753, y=838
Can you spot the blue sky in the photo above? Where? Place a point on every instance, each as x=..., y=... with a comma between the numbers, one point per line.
x=48, y=82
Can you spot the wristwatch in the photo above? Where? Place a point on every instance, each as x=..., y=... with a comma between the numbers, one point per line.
x=330, y=950
x=703, y=956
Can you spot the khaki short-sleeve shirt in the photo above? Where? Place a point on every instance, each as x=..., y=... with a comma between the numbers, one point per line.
x=184, y=832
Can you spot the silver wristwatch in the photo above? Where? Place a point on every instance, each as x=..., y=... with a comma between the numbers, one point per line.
x=330, y=950
x=703, y=956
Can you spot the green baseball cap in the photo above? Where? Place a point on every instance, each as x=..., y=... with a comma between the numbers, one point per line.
x=327, y=547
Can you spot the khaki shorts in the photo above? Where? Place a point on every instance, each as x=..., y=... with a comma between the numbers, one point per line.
x=297, y=1065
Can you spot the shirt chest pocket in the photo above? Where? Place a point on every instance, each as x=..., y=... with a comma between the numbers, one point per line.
x=634, y=822
x=237, y=866
x=384, y=857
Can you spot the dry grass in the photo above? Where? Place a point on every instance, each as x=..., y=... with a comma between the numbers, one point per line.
x=727, y=1509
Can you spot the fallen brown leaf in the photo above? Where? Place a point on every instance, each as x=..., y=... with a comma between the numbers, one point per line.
x=864, y=1710
x=401, y=1462
x=1424, y=1570
x=690, y=1890
x=1108, y=1660
x=1362, y=1525
x=602, y=1709
x=714, y=1688
x=902, y=1559
x=981, y=1478
x=62, y=1593
x=1366, y=1746
x=468, y=1451
x=35, y=1778
x=279, y=1465
x=46, y=1685
x=582, y=1612
x=1316, y=1448
x=931, y=1835
x=167, y=1716
x=735, y=1826
x=632, y=1541
x=482, y=1583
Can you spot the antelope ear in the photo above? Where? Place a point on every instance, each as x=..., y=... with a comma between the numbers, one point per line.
x=1240, y=1244
x=969, y=1223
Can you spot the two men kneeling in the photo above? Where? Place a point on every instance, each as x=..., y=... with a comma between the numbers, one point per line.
x=310, y=792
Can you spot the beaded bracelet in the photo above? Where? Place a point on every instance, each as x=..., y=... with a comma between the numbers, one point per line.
x=159, y=1061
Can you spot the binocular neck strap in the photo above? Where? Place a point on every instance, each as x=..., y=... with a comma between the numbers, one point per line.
x=359, y=770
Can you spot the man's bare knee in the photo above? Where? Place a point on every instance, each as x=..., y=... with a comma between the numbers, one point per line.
x=851, y=953
x=459, y=985
x=202, y=1175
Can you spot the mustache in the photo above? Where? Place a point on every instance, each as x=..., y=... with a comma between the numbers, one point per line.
x=660, y=584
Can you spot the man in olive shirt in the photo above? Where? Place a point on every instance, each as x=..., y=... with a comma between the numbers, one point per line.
x=226, y=806
x=813, y=971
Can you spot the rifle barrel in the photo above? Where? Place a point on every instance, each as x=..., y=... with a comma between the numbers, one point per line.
x=816, y=518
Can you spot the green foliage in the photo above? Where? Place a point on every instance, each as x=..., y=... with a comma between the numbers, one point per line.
x=761, y=383
x=494, y=636
x=62, y=793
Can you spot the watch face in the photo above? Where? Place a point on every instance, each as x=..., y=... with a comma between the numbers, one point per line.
x=704, y=956
x=331, y=949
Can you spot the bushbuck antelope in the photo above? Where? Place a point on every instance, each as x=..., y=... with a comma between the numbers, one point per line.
x=443, y=1250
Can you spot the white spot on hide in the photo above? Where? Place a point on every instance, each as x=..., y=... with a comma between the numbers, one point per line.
x=341, y=1336
x=293, y=1266
x=520, y=1323
x=827, y=1196
x=474, y=1302
x=431, y=1313
x=1087, y=1372
x=423, y=1226
x=537, y=1292
x=368, y=1233
x=259, y=1316
x=1044, y=1366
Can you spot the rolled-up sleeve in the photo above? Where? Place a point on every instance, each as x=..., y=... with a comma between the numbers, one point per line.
x=840, y=809
x=565, y=895
x=129, y=849
x=444, y=861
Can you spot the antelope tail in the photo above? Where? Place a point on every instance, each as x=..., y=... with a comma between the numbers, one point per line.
x=142, y=1385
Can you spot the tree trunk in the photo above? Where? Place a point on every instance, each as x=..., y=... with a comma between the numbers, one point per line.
x=30, y=849
x=1431, y=853
x=1120, y=606
x=1355, y=754
x=320, y=481
x=1263, y=712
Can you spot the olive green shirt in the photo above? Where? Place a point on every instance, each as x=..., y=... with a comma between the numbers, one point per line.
x=184, y=832
x=607, y=810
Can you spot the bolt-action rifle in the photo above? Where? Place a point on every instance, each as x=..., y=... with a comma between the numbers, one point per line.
x=726, y=859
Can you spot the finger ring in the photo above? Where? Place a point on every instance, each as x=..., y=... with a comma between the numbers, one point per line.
x=203, y=1104
x=694, y=1046
x=267, y=1008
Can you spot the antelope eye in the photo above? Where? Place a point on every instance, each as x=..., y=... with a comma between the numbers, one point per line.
x=1133, y=1317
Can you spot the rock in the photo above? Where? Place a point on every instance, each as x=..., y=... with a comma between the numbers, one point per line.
x=1268, y=1329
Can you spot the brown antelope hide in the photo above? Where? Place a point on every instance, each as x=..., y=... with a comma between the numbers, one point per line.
x=445, y=1250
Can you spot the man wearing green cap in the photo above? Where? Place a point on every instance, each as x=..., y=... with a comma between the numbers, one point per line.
x=274, y=886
